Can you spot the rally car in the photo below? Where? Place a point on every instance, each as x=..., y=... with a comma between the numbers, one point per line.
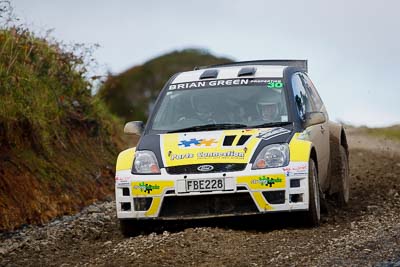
x=233, y=139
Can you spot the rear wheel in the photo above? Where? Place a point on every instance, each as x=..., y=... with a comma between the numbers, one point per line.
x=342, y=196
x=312, y=217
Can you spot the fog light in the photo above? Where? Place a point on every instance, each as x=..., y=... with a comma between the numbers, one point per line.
x=125, y=206
x=274, y=197
x=142, y=203
x=294, y=198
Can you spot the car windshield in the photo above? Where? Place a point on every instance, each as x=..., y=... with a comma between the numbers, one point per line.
x=221, y=107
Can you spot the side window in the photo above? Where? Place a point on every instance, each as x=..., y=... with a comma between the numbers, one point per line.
x=313, y=93
x=300, y=96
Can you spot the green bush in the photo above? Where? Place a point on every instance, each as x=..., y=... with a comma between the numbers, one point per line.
x=44, y=90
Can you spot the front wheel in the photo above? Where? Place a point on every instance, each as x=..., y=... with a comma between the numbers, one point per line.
x=312, y=217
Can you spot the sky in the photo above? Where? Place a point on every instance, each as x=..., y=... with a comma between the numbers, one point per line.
x=352, y=47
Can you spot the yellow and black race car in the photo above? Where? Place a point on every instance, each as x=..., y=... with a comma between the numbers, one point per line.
x=233, y=139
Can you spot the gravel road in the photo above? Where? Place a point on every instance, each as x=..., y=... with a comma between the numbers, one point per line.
x=365, y=233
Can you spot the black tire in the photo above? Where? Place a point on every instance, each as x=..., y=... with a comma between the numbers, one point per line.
x=343, y=194
x=129, y=227
x=312, y=217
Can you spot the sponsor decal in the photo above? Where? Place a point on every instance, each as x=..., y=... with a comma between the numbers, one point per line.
x=295, y=168
x=173, y=156
x=208, y=147
x=229, y=154
x=295, y=173
x=193, y=142
x=268, y=134
x=270, y=83
x=207, y=142
x=188, y=143
x=299, y=170
x=208, y=155
x=122, y=183
x=121, y=179
x=140, y=188
x=275, y=84
x=146, y=187
x=262, y=182
x=267, y=181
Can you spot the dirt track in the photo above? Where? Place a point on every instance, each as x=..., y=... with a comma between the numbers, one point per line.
x=366, y=233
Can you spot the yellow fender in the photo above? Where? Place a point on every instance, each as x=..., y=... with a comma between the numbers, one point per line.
x=300, y=148
x=125, y=159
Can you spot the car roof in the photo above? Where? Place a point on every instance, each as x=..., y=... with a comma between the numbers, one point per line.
x=231, y=73
x=244, y=69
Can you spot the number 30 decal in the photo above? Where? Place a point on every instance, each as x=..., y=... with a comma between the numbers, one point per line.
x=275, y=84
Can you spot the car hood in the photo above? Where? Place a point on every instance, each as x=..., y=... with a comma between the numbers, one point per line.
x=224, y=146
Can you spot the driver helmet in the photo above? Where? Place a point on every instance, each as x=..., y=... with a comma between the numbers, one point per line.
x=268, y=111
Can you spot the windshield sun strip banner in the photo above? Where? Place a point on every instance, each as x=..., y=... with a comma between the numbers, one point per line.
x=273, y=83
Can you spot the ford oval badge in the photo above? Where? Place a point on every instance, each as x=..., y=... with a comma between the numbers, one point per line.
x=205, y=168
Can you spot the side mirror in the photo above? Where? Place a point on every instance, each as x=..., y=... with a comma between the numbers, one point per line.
x=134, y=127
x=313, y=118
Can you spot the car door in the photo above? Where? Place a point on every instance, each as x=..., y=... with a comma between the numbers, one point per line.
x=318, y=134
x=318, y=106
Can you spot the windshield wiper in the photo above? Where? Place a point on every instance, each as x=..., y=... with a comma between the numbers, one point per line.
x=270, y=124
x=212, y=126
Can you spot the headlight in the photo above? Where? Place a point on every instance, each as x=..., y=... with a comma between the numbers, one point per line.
x=272, y=156
x=145, y=163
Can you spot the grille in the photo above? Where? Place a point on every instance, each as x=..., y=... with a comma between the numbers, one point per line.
x=219, y=167
x=275, y=197
x=142, y=203
x=188, y=206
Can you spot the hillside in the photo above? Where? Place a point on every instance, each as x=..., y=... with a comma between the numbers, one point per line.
x=58, y=143
x=130, y=93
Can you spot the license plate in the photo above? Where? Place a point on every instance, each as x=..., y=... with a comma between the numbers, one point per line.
x=212, y=184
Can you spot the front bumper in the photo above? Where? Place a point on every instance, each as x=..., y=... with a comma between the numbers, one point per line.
x=164, y=196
